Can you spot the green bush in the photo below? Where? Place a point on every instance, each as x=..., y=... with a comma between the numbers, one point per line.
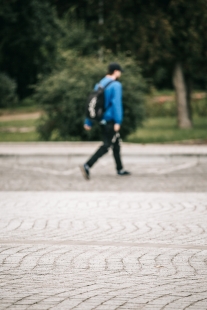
x=63, y=96
x=199, y=107
x=8, y=96
x=28, y=102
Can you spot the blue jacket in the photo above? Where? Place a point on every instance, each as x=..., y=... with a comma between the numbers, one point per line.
x=113, y=100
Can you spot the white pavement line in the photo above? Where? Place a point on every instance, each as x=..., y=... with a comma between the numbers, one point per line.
x=105, y=243
x=42, y=170
x=174, y=168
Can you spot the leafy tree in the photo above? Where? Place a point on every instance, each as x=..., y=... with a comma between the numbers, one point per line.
x=164, y=33
x=77, y=38
x=28, y=36
x=78, y=9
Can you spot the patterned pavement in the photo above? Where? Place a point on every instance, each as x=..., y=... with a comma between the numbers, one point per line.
x=138, y=242
x=69, y=250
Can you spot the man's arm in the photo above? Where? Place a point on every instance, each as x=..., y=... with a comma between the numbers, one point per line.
x=88, y=124
x=117, y=127
x=117, y=106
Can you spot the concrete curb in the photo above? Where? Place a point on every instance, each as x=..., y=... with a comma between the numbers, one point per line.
x=87, y=148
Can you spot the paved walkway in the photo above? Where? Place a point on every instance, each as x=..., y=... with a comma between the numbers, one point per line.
x=20, y=116
x=110, y=243
x=61, y=173
x=87, y=148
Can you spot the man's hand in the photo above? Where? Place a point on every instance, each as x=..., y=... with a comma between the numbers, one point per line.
x=87, y=127
x=117, y=127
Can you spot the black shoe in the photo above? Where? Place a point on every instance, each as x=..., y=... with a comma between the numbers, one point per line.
x=85, y=171
x=123, y=172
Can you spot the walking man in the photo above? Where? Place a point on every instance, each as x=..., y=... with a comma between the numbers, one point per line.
x=111, y=120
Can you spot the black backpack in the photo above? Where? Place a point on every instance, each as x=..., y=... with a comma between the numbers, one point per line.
x=95, y=106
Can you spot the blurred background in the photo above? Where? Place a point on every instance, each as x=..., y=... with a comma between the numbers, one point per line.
x=52, y=52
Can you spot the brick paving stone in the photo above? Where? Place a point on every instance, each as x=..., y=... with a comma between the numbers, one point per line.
x=110, y=243
x=103, y=250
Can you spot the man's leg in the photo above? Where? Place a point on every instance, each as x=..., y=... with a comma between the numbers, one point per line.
x=110, y=137
x=107, y=132
x=116, y=151
x=99, y=153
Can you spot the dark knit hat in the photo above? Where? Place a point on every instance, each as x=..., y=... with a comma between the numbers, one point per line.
x=114, y=66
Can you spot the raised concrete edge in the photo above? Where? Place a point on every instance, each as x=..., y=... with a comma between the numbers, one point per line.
x=87, y=148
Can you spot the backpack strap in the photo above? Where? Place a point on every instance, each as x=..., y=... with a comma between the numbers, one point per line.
x=108, y=84
x=110, y=104
x=104, y=87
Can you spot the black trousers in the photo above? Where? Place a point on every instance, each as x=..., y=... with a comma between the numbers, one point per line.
x=110, y=139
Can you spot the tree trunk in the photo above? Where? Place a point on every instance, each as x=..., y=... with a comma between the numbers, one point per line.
x=189, y=91
x=181, y=98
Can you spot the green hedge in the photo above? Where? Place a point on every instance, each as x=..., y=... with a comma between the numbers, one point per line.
x=199, y=107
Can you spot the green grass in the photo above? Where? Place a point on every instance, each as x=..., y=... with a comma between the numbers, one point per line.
x=164, y=92
x=161, y=130
x=155, y=129
x=19, y=110
x=18, y=137
x=19, y=123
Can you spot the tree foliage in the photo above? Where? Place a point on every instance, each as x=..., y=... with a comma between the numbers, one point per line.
x=28, y=35
x=8, y=96
x=156, y=35
x=158, y=32
x=170, y=34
